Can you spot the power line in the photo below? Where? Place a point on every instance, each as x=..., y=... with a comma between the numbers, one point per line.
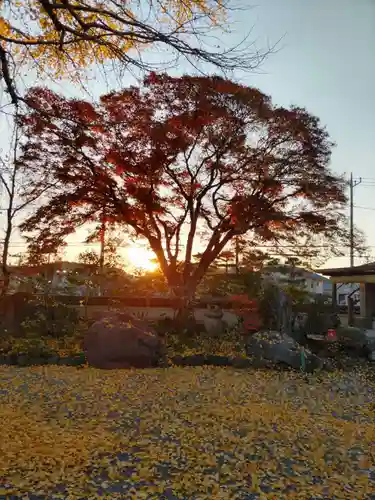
x=364, y=208
x=353, y=184
x=271, y=247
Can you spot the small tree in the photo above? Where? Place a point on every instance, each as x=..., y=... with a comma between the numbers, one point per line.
x=226, y=259
x=185, y=161
x=14, y=199
x=109, y=253
x=38, y=253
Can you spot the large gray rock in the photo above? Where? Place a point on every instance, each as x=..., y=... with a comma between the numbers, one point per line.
x=119, y=340
x=281, y=348
x=357, y=338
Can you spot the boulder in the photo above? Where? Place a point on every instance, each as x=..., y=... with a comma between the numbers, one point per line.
x=357, y=338
x=281, y=348
x=118, y=340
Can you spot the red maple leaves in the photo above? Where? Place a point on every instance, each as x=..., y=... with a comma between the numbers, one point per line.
x=120, y=169
x=199, y=152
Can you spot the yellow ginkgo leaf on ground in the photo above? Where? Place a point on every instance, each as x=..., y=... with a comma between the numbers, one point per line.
x=216, y=431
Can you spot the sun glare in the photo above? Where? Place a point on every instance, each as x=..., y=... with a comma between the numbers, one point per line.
x=141, y=258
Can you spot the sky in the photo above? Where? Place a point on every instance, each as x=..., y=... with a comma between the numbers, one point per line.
x=323, y=61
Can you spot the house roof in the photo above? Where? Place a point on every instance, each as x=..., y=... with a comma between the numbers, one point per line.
x=300, y=271
x=363, y=270
x=27, y=270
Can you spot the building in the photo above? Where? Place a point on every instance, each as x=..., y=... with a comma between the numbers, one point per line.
x=354, y=277
x=67, y=278
x=309, y=281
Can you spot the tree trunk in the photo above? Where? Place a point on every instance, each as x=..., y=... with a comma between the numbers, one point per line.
x=4, y=264
x=184, y=316
x=6, y=280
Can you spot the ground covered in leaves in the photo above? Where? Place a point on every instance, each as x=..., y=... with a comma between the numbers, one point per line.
x=185, y=433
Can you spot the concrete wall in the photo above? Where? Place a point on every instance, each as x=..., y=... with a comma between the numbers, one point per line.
x=367, y=299
x=14, y=309
x=314, y=285
x=155, y=313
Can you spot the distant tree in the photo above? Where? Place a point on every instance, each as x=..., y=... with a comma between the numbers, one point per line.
x=14, y=201
x=150, y=283
x=226, y=258
x=198, y=160
x=38, y=253
x=110, y=252
x=89, y=258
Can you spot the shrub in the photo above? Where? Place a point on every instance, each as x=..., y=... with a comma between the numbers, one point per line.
x=52, y=319
x=185, y=329
x=32, y=350
x=230, y=344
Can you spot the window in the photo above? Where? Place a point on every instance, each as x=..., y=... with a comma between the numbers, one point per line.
x=341, y=297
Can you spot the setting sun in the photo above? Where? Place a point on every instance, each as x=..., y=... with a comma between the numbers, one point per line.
x=140, y=258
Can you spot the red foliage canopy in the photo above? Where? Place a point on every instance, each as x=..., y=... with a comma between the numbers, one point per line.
x=182, y=157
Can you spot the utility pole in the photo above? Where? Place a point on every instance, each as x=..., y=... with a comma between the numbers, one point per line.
x=102, y=246
x=352, y=185
x=102, y=249
x=237, y=255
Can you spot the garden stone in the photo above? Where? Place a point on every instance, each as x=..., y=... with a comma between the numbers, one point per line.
x=118, y=340
x=213, y=321
x=281, y=348
x=13, y=359
x=69, y=361
x=5, y=360
x=194, y=360
x=73, y=360
x=53, y=360
x=215, y=360
x=357, y=338
x=211, y=360
x=23, y=360
x=242, y=363
x=38, y=361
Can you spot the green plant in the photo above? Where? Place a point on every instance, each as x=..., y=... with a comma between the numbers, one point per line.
x=269, y=306
x=31, y=348
x=50, y=318
x=231, y=344
x=35, y=349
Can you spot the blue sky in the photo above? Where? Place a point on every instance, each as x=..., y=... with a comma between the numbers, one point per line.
x=325, y=62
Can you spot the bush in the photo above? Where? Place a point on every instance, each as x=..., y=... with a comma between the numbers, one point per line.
x=54, y=319
x=230, y=344
x=185, y=329
x=42, y=350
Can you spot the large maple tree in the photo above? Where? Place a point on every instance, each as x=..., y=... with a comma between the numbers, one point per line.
x=187, y=163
